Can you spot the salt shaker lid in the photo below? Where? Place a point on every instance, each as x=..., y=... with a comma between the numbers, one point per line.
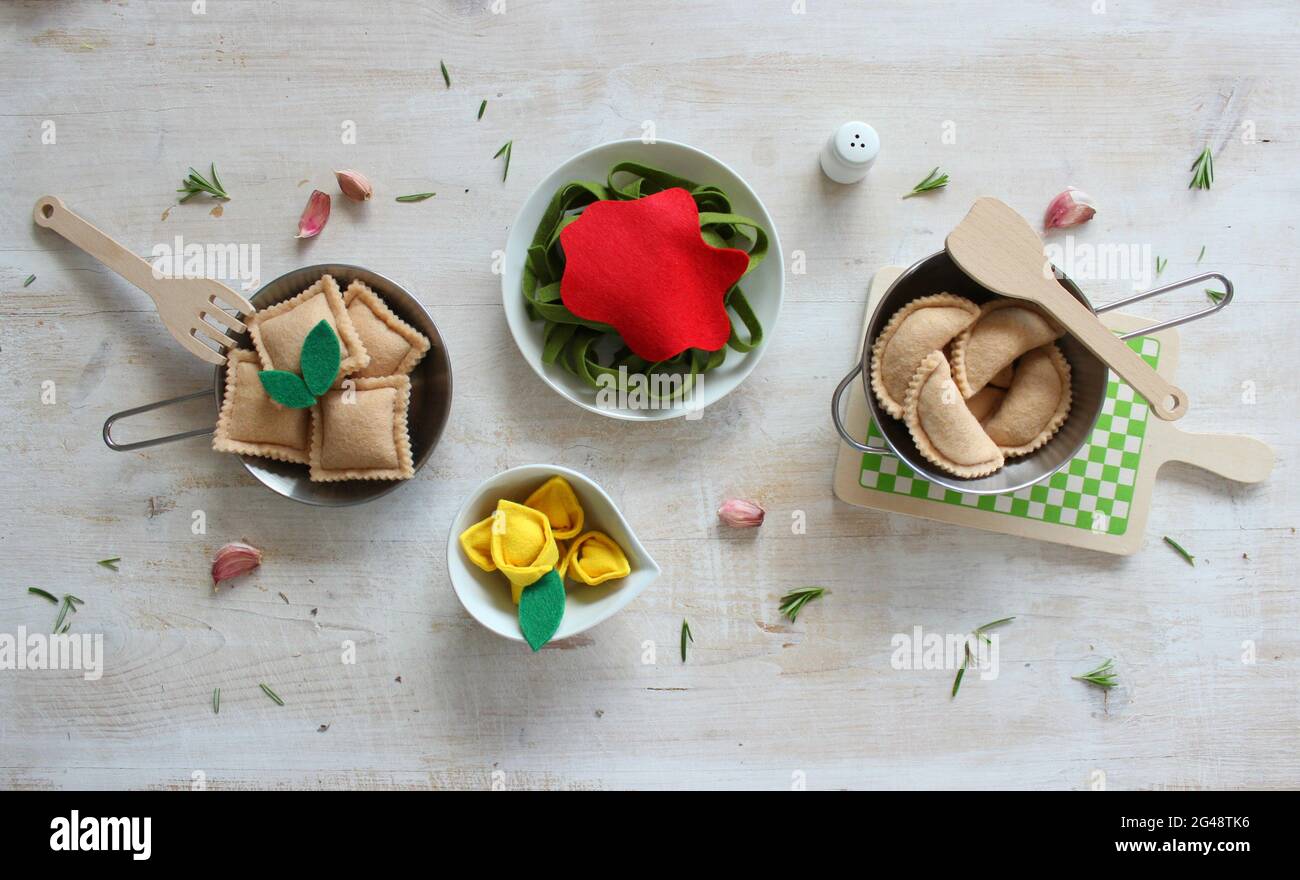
x=856, y=143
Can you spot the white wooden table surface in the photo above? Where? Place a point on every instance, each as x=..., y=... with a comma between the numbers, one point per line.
x=1038, y=95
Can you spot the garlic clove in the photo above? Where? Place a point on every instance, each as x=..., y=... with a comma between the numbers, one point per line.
x=315, y=215
x=741, y=514
x=354, y=185
x=1069, y=208
x=233, y=560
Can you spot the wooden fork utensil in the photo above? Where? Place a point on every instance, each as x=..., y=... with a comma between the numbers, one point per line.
x=191, y=308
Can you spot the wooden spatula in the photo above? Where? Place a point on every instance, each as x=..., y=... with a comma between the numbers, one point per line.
x=1001, y=252
x=183, y=303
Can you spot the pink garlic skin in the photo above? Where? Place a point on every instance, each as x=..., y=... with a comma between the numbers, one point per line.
x=315, y=215
x=741, y=514
x=233, y=560
x=1070, y=208
x=354, y=185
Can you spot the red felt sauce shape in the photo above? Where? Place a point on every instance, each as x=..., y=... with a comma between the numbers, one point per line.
x=642, y=267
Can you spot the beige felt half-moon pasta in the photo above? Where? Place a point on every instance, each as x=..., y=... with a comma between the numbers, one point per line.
x=1005, y=329
x=985, y=402
x=914, y=331
x=945, y=431
x=1035, y=406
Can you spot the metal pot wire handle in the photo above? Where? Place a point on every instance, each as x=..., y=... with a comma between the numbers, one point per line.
x=1100, y=310
x=154, y=441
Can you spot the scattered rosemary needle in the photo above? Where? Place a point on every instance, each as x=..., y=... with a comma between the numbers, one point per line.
x=1215, y=296
x=506, y=148
x=37, y=591
x=70, y=603
x=792, y=602
x=1103, y=676
x=1191, y=560
x=933, y=180
x=446, y=77
x=275, y=698
x=481, y=107
x=416, y=197
x=196, y=183
x=28, y=282
x=216, y=701
x=1160, y=264
x=686, y=634
x=1201, y=255
x=1202, y=170
x=979, y=633
x=110, y=563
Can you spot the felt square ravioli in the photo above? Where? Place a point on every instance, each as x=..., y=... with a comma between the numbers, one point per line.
x=360, y=432
x=642, y=267
x=394, y=346
x=278, y=332
x=251, y=423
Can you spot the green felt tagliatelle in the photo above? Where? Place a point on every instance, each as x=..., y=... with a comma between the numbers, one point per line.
x=320, y=359
x=541, y=608
x=570, y=341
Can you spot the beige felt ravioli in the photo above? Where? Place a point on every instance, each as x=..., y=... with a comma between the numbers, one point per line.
x=251, y=423
x=1035, y=406
x=1005, y=329
x=914, y=331
x=278, y=331
x=359, y=431
x=394, y=346
x=944, y=429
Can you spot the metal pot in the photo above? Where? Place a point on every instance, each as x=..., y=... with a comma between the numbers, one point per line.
x=1088, y=377
x=430, y=394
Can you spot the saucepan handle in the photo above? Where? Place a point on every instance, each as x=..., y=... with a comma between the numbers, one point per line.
x=155, y=441
x=839, y=422
x=1173, y=322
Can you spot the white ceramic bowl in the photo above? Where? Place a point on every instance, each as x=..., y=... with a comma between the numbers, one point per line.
x=486, y=594
x=764, y=287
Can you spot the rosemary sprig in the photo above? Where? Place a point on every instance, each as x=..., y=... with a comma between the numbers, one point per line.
x=110, y=563
x=1160, y=264
x=1103, y=676
x=1201, y=255
x=481, y=107
x=37, y=591
x=967, y=658
x=196, y=183
x=216, y=701
x=1202, y=170
x=275, y=698
x=416, y=197
x=446, y=77
x=1215, y=296
x=1191, y=560
x=686, y=634
x=28, y=282
x=792, y=602
x=506, y=148
x=70, y=603
x=933, y=180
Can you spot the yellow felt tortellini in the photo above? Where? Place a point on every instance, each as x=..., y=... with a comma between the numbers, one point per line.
x=594, y=558
x=556, y=499
x=476, y=541
x=523, y=547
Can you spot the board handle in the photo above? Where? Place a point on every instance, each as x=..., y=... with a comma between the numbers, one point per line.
x=1243, y=459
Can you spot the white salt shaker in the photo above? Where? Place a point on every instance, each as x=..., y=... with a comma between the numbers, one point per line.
x=850, y=152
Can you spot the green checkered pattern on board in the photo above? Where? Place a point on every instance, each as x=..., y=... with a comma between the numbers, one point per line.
x=1093, y=491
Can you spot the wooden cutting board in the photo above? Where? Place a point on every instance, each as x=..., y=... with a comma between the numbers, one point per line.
x=1100, y=500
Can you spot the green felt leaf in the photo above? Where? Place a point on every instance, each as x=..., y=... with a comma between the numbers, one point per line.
x=320, y=358
x=286, y=388
x=541, y=607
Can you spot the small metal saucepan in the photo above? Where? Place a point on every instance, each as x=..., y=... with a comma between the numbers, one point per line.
x=430, y=394
x=1088, y=377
